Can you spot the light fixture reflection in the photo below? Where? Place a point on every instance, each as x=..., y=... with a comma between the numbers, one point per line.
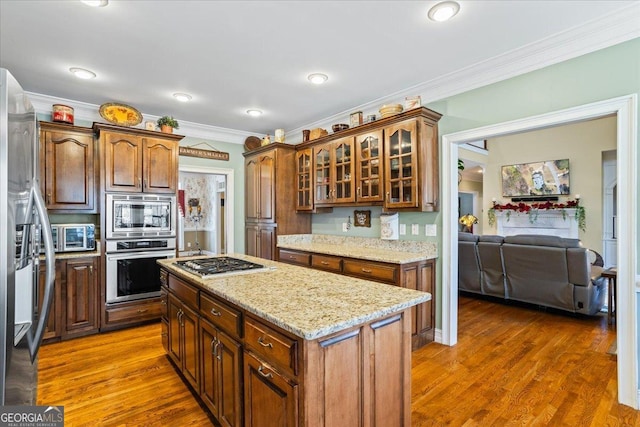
x=444, y=11
x=254, y=113
x=182, y=97
x=318, y=78
x=82, y=73
x=96, y=3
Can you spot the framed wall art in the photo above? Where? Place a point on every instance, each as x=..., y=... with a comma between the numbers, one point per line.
x=548, y=178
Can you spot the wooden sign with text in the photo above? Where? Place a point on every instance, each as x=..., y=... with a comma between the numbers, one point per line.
x=204, y=154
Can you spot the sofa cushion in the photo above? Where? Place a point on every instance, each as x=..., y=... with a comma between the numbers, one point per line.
x=467, y=237
x=540, y=240
x=491, y=238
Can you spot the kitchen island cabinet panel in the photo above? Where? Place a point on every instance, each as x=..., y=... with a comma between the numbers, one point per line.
x=183, y=340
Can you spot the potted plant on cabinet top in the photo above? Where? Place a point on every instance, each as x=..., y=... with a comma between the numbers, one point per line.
x=167, y=124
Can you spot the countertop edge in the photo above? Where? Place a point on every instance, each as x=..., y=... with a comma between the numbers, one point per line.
x=408, y=257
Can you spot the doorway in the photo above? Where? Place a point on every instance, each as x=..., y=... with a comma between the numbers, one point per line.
x=625, y=111
x=206, y=210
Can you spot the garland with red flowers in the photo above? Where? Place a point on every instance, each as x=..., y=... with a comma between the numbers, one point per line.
x=533, y=209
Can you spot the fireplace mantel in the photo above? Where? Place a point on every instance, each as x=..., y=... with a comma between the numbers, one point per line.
x=553, y=222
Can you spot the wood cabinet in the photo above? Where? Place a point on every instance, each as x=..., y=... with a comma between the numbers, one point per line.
x=254, y=373
x=74, y=310
x=183, y=339
x=418, y=275
x=392, y=162
x=304, y=175
x=333, y=172
x=270, y=171
x=68, y=175
x=136, y=160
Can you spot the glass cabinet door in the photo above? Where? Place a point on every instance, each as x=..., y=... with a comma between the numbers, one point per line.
x=322, y=166
x=401, y=165
x=303, y=180
x=370, y=176
x=343, y=171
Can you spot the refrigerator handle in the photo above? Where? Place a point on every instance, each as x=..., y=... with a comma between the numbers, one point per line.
x=35, y=338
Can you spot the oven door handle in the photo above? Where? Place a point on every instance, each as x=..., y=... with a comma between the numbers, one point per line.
x=139, y=255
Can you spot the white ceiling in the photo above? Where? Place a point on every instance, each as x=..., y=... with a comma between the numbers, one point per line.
x=235, y=55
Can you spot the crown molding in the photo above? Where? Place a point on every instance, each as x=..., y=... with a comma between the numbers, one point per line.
x=89, y=112
x=611, y=29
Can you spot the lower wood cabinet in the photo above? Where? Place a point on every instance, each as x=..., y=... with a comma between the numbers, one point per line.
x=260, y=240
x=184, y=348
x=74, y=310
x=420, y=275
x=221, y=375
x=271, y=399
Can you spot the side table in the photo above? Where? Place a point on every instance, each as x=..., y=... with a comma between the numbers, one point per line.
x=611, y=274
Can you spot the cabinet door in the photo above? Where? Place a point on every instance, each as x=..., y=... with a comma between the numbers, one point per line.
x=343, y=174
x=81, y=296
x=69, y=173
x=369, y=169
x=251, y=240
x=267, y=242
x=270, y=399
x=322, y=172
x=175, y=313
x=252, y=194
x=54, y=322
x=210, y=374
x=160, y=165
x=304, y=201
x=123, y=161
x=401, y=165
x=266, y=188
x=229, y=356
x=190, y=346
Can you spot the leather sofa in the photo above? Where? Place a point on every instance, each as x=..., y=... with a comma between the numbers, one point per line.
x=544, y=270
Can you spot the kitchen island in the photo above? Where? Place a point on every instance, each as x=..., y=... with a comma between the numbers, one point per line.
x=292, y=346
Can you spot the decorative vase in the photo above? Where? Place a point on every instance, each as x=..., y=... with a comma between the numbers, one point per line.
x=166, y=129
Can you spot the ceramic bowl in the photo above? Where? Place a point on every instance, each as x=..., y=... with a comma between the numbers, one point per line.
x=339, y=127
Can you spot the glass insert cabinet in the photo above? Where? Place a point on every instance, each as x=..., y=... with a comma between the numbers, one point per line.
x=392, y=162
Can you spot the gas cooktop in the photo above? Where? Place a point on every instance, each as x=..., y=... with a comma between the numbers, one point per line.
x=210, y=267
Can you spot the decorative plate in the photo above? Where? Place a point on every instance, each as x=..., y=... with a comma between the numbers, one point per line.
x=120, y=114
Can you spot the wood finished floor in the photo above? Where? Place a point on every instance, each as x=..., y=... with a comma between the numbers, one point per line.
x=512, y=366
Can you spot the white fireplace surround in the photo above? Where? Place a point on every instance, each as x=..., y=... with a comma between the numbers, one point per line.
x=551, y=222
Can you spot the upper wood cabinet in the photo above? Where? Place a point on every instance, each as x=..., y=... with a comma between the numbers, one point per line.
x=270, y=199
x=392, y=162
x=304, y=174
x=333, y=171
x=137, y=160
x=67, y=167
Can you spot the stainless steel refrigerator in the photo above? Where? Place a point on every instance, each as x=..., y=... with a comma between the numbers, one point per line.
x=23, y=219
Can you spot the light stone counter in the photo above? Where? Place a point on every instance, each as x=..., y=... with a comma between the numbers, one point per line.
x=308, y=303
x=391, y=251
x=79, y=254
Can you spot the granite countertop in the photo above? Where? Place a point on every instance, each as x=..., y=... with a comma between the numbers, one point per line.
x=79, y=254
x=308, y=303
x=394, y=252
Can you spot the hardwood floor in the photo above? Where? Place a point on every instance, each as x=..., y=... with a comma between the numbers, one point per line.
x=512, y=365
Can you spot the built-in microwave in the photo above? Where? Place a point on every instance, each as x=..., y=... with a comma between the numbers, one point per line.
x=72, y=237
x=136, y=215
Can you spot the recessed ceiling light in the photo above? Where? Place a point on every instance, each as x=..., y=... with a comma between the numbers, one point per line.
x=96, y=3
x=318, y=78
x=254, y=113
x=182, y=97
x=444, y=11
x=81, y=73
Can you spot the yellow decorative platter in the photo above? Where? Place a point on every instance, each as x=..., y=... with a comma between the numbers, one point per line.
x=120, y=114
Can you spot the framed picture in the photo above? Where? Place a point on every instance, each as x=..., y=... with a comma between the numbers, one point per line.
x=411, y=102
x=362, y=218
x=548, y=178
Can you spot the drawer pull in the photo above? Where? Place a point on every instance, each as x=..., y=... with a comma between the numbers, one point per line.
x=264, y=344
x=292, y=257
x=142, y=311
x=364, y=270
x=215, y=312
x=266, y=375
x=324, y=263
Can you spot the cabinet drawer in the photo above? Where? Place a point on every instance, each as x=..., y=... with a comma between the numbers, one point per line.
x=292, y=257
x=186, y=293
x=326, y=262
x=272, y=345
x=139, y=312
x=372, y=271
x=220, y=314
